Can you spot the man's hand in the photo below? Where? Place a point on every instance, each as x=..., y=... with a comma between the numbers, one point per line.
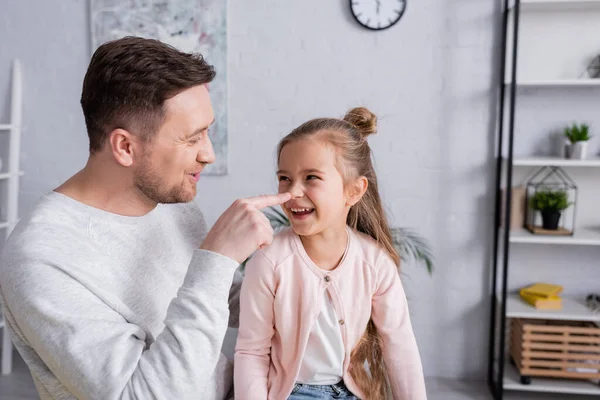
x=243, y=228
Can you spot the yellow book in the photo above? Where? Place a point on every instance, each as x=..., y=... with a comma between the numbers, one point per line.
x=543, y=290
x=543, y=303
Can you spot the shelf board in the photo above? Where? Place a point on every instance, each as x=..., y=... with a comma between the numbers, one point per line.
x=572, y=386
x=554, y=162
x=558, y=83
x=572, y=310
x=5, y=127
x=1, y=324
x=582, y=237
x=558, y=5
x=6, y=175
x=3, y=225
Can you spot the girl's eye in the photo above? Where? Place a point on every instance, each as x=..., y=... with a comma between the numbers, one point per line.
x=283, y=178
x=310, y=177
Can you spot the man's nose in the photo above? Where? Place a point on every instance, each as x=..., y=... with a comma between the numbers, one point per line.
x=206, y=153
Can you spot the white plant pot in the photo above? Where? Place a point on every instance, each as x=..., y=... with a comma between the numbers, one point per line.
x=578, y=150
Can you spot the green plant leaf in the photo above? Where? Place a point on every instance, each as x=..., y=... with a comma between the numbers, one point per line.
x=550, y=200
x=578, y=133
x=413, y=247
x=277, y=218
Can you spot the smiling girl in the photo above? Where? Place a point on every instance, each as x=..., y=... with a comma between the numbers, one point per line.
x=323, y=311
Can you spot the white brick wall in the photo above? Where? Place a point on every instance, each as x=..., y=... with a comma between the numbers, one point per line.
x=429, y=79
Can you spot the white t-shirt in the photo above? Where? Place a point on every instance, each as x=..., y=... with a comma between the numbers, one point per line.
x=323, y=362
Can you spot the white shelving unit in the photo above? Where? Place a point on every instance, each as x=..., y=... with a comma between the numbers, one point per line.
x=573, y=310
x=512, y=382
x=557, y=5
x=555, y=162
x=11, y=175
x=559, y=83
x=581, y=237
x=556, y=39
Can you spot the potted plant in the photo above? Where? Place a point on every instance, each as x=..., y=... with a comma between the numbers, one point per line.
x=550, y=203
x=578, y=136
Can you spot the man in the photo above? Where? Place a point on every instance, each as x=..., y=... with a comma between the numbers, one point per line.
x=111, y=287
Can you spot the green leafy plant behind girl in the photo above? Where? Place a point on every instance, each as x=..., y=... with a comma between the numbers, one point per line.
x=323, y=311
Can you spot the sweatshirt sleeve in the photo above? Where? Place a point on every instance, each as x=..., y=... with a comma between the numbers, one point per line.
x=234, y=299
x=391, y=317
x=96, y=353
x=253, y=349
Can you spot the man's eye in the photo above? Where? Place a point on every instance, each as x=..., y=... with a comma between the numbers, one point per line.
x=310, y=177
x=195, y=139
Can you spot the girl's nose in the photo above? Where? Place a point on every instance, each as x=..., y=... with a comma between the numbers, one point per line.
x=296, y=191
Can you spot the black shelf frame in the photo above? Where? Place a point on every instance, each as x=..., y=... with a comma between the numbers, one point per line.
x=497, y=333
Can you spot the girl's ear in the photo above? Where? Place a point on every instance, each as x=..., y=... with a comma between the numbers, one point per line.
x=356, y=190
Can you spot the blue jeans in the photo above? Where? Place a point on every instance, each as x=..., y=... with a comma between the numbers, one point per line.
x=321, y=392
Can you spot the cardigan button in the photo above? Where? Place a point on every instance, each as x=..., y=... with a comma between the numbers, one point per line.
x=342, y=322
x=327, y=278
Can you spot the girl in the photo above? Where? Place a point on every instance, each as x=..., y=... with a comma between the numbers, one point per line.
x=323, y=312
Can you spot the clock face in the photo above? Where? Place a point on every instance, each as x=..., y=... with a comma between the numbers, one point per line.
x=377, y=14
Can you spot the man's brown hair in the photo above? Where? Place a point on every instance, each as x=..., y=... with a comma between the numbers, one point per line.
x=127, y=82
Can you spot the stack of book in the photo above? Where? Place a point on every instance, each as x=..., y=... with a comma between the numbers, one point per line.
x=543, y=296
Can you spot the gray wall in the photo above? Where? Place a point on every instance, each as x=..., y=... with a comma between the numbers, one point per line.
x=430, y=79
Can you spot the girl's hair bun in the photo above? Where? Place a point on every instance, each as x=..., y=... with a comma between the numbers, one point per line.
x=363, y=120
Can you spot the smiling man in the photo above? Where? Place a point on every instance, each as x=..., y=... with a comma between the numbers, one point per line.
x=112, y=286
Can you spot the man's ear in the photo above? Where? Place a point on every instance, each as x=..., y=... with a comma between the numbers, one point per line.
x=356, y=190
x=122, y=145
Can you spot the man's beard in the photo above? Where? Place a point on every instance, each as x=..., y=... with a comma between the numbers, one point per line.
x=150, y=184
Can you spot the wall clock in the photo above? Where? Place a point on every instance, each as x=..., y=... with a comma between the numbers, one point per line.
x=377, y=14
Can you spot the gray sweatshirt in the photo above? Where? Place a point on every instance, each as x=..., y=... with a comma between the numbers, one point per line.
x=103, y=306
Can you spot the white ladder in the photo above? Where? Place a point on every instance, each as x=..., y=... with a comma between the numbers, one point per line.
x=11, y=173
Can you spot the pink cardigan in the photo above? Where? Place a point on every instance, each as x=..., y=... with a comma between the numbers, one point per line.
x=281, y=298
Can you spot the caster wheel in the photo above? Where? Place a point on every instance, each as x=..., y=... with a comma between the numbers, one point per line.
x=525, y=380
x=512, y=362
